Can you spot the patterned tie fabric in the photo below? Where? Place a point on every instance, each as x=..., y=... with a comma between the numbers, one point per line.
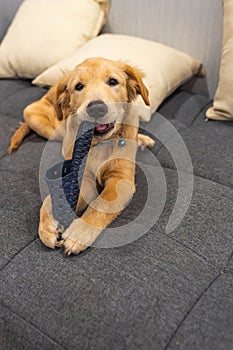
x=64, y=179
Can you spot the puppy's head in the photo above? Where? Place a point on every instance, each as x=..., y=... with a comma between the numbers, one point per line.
x=98, y=90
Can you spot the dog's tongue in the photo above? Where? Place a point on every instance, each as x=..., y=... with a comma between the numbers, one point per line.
x=101, y=127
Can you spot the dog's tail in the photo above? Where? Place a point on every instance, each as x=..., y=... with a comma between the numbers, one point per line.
x=18, y=137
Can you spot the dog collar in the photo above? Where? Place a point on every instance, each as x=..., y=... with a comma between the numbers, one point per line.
x=121, y=143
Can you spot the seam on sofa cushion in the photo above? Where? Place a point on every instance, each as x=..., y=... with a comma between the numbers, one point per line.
x=180, y=243
x=201, y=112
x=226, y=270
x=199, y=177
x=188, y=249
x=183, y=170
x=17, y=253
x=195, y=253
x=33, y=326
x=190, y=310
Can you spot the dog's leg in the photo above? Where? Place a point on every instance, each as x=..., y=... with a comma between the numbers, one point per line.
x=18, y=136
x=100, y=213
x=88, y=193
x=42, y=120
x=145, y=141
x=49, y=231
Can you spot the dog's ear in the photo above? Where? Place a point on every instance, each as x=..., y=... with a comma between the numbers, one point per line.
x=61, y=99
x=135, y=85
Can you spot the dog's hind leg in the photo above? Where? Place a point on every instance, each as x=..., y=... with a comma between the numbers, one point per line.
x=18, y=137
x=41, y=119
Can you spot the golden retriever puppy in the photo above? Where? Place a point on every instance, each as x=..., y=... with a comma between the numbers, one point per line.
x=97, y=90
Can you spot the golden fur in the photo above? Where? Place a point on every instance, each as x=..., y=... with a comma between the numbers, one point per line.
x=109, y=168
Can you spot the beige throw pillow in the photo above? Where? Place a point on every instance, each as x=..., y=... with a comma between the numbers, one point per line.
x=165, y=68
x=223, y=101
x=44, y=32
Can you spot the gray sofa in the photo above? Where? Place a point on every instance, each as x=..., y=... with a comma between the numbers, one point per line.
x=169, y=289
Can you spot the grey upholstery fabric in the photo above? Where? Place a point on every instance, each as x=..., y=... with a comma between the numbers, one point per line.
x=166, y=290
x=7, y=12
x=210, y=319
x=183, y=107
x=7, y=127
x=209, y=143
x=230, y=264
x=105, y=297
x=206, y=228
x=20, y=198
x=16, y=95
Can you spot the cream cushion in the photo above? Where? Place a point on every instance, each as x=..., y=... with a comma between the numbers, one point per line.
x=165, y=68
x=43, y=32
x=222, y=108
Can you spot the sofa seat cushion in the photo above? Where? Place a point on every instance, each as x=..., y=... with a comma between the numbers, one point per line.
x=19, y=210
x=134, y=296
x=182, y=108
x=8, y=126
x=20, y=195
x=16, y=94
x=180, y=126
x=211, y=318
x=106, y=296
x=210, y=146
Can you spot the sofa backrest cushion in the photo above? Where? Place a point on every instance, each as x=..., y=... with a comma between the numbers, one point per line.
x=222, y=108
x=43, y=32
x=164, y=68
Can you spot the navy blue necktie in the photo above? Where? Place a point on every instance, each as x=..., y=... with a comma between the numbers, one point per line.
x=64, y=179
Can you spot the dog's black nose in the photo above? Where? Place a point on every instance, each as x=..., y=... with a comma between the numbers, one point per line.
x=97, y=109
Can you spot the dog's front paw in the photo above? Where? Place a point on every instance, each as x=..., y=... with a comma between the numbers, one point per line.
x=79, y=236
x=49, y=229
x=145, y=141
x=51, y=236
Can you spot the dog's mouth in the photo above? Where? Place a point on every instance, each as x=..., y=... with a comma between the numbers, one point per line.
x=103, y=129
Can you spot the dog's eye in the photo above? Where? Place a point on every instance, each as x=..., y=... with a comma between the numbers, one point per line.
x=112, y=82
x=79, y=86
